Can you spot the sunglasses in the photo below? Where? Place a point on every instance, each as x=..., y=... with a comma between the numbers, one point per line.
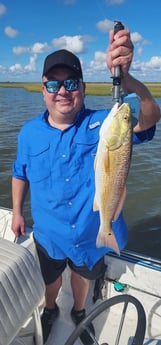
x=53, y=86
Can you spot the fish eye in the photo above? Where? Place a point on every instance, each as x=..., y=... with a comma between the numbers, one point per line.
x=126, y=117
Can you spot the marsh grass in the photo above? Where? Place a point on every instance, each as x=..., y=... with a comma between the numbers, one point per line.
x=32, y=87
x=93, y=89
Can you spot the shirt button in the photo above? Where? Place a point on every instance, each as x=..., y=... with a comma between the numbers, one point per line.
x=67, y=179
x=70, y=203
x=63, y=155
x=73, y=226
x=77, y=245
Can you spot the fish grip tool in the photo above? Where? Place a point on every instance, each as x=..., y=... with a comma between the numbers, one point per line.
x=117, y=70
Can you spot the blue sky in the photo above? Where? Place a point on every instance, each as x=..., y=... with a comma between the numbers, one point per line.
x=32, y=29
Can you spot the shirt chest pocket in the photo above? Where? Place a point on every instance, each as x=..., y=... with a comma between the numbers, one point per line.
x=87, y=142
x=86, y=147
x=38, y=163
x=87, y=139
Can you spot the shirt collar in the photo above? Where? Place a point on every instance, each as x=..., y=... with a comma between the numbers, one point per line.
x=78, y=116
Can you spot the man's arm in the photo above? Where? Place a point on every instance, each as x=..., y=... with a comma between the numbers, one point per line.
x=19, y=191
x=120, y=53
x=149, y=109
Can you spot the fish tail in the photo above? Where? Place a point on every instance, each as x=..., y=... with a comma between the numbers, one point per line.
x=105, y=239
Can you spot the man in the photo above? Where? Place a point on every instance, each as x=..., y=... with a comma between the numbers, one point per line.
x=55, y=159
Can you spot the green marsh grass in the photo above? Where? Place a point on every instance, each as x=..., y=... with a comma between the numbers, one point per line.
x=93, y=89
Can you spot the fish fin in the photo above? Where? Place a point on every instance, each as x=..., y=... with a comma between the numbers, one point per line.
x=95, y=161
x=95, y=205
x=120, y=205
x=105, y=239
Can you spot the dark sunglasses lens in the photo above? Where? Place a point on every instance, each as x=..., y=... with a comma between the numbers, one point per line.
x=53, y=86
x=71, y=84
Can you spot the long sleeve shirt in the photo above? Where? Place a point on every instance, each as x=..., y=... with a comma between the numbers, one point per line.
x=59, y=166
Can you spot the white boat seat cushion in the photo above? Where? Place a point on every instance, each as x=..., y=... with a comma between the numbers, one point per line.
x=21, y=288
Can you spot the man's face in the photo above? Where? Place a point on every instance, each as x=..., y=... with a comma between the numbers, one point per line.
x=63, y=103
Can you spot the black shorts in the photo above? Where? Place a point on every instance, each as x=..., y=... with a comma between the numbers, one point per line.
x=51, y=269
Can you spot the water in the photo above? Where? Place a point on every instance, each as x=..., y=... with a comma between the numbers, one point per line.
x=142, y=208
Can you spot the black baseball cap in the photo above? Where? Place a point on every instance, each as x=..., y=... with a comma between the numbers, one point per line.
x=63, y=58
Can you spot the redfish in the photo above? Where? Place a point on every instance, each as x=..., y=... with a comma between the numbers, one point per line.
x=112, y=163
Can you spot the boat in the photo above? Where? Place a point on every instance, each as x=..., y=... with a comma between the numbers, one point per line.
x=124, y=306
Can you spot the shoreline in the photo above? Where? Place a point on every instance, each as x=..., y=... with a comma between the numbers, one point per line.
x=92, y=89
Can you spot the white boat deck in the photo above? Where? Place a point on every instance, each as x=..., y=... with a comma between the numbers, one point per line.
x=142, y=281
x=106, y=324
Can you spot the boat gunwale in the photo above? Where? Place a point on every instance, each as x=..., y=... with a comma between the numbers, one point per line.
x=139, y=259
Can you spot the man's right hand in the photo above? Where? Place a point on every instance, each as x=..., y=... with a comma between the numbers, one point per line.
x=18, y=225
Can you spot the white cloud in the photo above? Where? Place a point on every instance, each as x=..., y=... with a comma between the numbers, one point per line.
x=136, y=37
x=31, y=67
x=76, y=44
x=2, y=69
x=97, y=69
x=20, y=50
x=10, y=32
x=140, y=51
x=39, y=48
x=16, y=68
x=2, y=9
x=105, y=25
x=36, y=48
x=147, y=71
x=139, y=42
x=154, y=63
x=99, y=62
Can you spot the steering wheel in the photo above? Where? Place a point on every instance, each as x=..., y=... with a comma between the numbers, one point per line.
x=125, y=299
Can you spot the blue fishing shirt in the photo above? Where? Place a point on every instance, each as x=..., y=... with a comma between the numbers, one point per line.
x=59, y=167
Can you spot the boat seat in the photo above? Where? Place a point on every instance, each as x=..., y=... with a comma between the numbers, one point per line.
x=5, y=224
x=21, y=290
